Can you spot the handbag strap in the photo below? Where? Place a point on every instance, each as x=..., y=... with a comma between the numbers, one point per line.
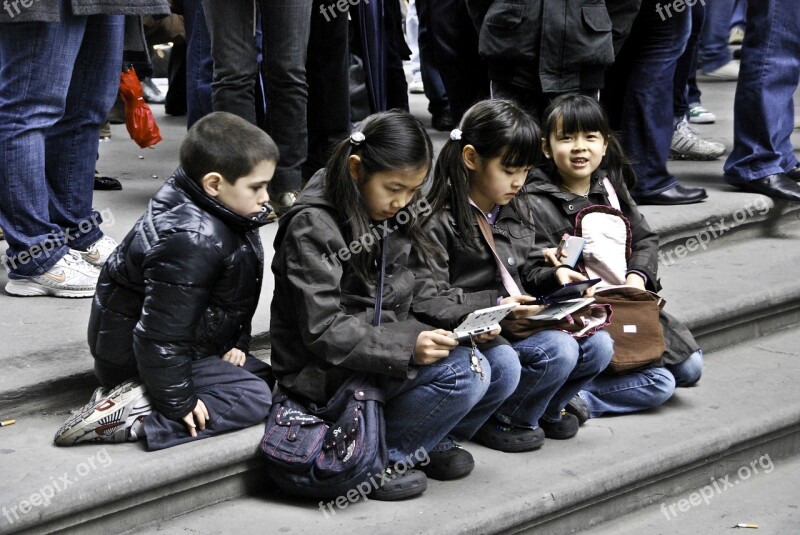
x=483, y=224
x=379, y=292
x=612, y=194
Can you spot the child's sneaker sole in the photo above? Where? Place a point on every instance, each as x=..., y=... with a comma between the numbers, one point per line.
x=102, y=420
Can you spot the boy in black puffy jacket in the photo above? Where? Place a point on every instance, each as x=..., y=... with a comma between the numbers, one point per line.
x=170, y=322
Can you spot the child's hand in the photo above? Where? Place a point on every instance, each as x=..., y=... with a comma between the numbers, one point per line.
x=636, y=280
x=563, y=276
x=522, y=310
x=551, y=256
x=235, y=356
x=488, y=336
x=197, y=418
x=432, y=346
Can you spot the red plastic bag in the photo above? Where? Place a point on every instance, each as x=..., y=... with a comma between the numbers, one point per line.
x=139, y=118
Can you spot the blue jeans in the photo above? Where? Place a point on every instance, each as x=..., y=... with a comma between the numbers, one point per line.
x=714, y=52
x=199, y=65
x=640, y=390
x=285, y=25
x=446, y=399
x=555, y=366
x=58, y=82
x=639, y=93
x=763, y=112
x=431, y=79
x=686, y=90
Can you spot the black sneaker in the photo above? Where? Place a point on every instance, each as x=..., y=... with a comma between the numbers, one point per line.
x=503, y=437
x=566, y=427
x=448, y=464
x=578, y=407
x=399, y=486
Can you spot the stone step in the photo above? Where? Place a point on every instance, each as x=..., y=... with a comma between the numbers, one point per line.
x=744, y=411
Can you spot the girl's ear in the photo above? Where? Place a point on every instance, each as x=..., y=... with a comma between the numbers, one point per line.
x=356, y=167
x=470, y=157
x=605, y=146
x=211, y=183
x=546, y=148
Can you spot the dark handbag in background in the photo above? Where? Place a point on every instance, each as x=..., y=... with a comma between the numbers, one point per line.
x=635, y=326
x=325, y=452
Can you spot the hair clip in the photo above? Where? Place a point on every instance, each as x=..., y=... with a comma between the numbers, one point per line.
x=455, y=134
x=357, y=138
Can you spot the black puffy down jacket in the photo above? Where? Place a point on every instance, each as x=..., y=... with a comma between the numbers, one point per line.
x=183, y=285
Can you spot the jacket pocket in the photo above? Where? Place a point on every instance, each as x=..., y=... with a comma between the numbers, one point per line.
x=509, y=31
x=591, y=43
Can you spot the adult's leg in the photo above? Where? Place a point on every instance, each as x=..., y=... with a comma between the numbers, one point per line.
x=235, y=396
x=396, y=52
x=763, y=114
x=628, y=392
x=199, y=63
x=286, y=27
x=686, y=67
x=420, y=412
x=43, y=67
x=233, y=46
x=327, y=72
x=648, y=60
x=713, y=50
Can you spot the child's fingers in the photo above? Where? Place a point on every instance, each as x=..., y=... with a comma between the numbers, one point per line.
x=441, y=341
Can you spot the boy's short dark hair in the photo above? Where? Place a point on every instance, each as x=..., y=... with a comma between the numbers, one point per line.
x=224, y=143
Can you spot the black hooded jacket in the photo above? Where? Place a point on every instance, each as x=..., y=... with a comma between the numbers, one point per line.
x=183, y=285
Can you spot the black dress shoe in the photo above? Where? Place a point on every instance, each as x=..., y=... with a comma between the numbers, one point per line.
x=442, y=122
x=152, y=95
x=106, y=183
x=676, y=195
x=794, y=173
x=778, y=186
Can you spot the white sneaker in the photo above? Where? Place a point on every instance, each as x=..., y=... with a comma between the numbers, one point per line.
x=108, y=418
x=71, y=276
x=416, y=86
x=699, y=115
x=687, y=145
x=727, y=73
x=98, y=252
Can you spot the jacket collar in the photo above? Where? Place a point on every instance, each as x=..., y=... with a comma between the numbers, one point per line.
x=237, y=222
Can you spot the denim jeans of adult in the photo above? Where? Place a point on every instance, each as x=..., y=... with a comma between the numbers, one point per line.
x=58, y=82
x=454, y=42
x=685, y=90
x=285, y=25
x=199, y=64
x=432, y=83
x=763, y=111
x=638, y=94
x=555, y=367
x=422, y=411
x=714, y=52
x=642, y=389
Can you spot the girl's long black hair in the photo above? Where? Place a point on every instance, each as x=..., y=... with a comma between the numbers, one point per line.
x=495, y=127
x=581, y=113
x=393, y=140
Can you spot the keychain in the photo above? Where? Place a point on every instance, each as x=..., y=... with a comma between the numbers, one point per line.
x=474, y=359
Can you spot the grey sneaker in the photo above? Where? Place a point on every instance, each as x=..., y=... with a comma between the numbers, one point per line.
x=71, y=276
x=687, y=145
x=281, y=202
x=108, y=418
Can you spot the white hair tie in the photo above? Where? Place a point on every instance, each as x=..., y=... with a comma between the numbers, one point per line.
x=357, y=138
x=455, y=134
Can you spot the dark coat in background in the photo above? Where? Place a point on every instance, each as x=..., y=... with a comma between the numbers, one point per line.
x=50, y=10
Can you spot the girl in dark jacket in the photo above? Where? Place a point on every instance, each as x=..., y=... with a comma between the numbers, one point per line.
x=354, y=231
x=581, y=152
x=478, y=175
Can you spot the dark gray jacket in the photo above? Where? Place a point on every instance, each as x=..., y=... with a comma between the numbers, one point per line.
x=183, y=285
x=550, y=45
x=50, y=10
